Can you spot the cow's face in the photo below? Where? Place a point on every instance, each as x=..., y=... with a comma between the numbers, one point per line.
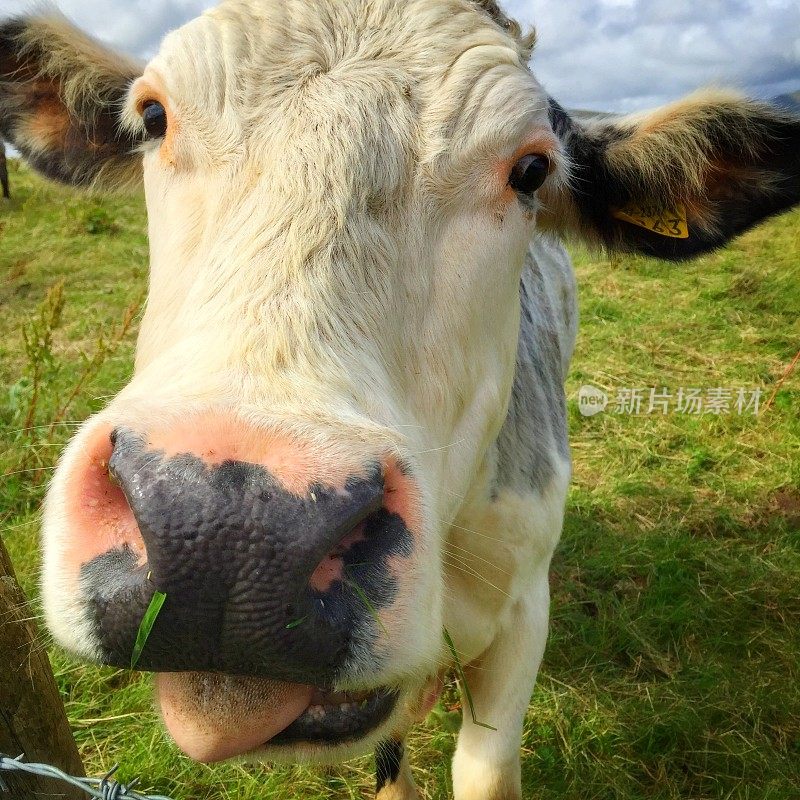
x=340, y=198
x=340, y=202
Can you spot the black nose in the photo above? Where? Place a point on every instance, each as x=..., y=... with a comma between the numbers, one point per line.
x=234, y=553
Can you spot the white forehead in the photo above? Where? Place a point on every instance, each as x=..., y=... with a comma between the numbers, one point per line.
x=437, y=71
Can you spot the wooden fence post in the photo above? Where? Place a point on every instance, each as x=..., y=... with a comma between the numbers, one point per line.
x=4, y=172
x=32, y=716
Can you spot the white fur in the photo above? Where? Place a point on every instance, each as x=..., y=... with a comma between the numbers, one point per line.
x=501, y=629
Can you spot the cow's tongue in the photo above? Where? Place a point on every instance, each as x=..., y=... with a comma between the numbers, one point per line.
x=214, y=717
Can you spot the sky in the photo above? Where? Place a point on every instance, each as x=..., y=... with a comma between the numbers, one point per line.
x=609, y=55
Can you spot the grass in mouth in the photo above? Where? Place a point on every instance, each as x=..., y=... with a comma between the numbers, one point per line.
x=146, y=626
x=463, y=678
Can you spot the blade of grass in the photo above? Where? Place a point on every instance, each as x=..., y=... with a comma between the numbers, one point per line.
x=297, y=623
x=368, y=605
x=463, y=678
x=783, y=380
x=146, y=626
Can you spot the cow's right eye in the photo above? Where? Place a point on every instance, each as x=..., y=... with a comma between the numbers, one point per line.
x=154, y=116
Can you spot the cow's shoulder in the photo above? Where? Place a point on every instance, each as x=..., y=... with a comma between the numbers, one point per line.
x=532, y=445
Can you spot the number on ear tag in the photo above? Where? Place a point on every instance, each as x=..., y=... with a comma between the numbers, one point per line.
x=671, y=222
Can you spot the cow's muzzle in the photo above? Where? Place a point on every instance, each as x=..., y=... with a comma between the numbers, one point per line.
x=258, y=581
x=278, y=571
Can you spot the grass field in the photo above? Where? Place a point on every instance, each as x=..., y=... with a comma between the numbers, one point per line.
x=673, y=668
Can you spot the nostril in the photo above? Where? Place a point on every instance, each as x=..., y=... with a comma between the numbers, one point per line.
x=103, y=519
x=372, y=533
x=332, y=567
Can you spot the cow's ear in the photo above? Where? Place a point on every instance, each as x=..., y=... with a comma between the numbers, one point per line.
x=61, y=97
x=678, y=181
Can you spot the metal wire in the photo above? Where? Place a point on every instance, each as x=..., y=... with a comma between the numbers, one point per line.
x=105, y=788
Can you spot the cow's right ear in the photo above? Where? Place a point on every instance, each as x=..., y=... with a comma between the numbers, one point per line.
x=678, y=181
x=61, y=97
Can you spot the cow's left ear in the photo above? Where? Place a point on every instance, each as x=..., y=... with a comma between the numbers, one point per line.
x=678, y=181
x=61, y=96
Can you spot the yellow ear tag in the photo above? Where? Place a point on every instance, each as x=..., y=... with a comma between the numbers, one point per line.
x=671, y=222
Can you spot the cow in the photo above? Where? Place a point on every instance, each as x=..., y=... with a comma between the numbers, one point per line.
x=343, y=447
x=4, y=172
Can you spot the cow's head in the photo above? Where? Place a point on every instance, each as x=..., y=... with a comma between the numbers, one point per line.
x=340, y=196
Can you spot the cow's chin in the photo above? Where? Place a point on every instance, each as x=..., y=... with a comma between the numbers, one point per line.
x=216, y=717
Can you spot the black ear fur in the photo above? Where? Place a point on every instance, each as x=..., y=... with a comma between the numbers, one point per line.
x=61, y=95
x=753, y=172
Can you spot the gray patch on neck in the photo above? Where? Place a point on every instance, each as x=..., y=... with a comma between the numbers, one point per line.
x=533, y=438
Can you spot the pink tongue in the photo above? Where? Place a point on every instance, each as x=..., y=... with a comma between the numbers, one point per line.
x=215, y=717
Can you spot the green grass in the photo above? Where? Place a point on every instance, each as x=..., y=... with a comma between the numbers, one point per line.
x=146, y=626
x=673, y=668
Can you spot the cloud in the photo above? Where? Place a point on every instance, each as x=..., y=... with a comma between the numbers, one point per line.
x=136, y=26
x=621, y=55
x=614, y=55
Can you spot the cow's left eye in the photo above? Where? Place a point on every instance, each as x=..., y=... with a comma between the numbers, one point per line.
x=154, y=116
x=529, y=174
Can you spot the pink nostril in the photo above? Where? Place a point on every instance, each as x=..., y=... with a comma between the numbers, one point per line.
x=400, y=497
x=102, y=518
x=235, y=527
x=331, y=568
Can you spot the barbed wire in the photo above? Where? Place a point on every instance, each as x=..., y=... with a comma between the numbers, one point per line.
x=105, y=788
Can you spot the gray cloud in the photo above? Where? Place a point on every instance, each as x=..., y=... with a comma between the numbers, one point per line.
x=136, y=26
x=608, y=54
x=626, y=54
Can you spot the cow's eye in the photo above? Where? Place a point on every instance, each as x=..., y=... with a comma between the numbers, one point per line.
x=154, y=117
x=529, y=174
